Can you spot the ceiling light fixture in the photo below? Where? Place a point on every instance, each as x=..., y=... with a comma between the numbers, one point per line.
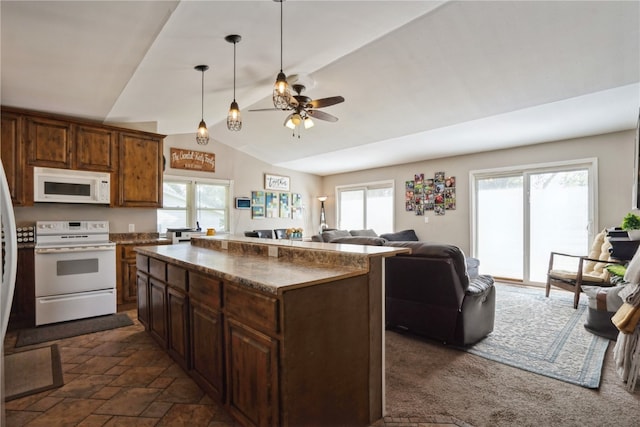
x=281, y=89
x=234, y=121
x=202, y=137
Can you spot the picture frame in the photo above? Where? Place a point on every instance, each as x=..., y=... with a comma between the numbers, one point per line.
x=276, y=182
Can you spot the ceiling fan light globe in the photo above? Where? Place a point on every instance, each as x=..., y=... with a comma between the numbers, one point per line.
x=202, y=136
x=308, y=123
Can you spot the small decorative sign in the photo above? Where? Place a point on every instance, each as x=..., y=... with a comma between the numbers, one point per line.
x=193, y=160
x=275, y=182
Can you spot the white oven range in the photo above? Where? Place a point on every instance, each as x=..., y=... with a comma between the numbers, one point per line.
x=75, y=270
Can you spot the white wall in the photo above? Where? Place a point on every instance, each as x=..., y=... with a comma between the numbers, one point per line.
x=615, y=153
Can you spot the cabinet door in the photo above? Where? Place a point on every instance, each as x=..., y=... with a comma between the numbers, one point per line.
x=252, y=365
x=158, y=311
x=140, y=171
x=143, y=299
x=96, y=148
x=207, y=362
x=129, y=292
x=12, y=155
x=49, y=142
x=178, y=315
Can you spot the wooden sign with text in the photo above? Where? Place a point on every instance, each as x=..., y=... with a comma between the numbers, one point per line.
x=193, y=160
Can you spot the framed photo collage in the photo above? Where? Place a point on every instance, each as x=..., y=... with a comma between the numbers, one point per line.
x=437, y=194
x=271, y=204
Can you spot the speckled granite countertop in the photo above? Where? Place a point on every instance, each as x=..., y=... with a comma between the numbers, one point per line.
x=286, y=265
x=138, y=238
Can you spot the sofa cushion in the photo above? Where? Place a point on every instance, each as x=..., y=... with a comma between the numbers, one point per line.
x=368, y=233
x=360, y=240
x=401, y=236
x=327, y=236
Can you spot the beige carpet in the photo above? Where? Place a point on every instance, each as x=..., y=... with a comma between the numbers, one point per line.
x=32, y=371
x=424, y=379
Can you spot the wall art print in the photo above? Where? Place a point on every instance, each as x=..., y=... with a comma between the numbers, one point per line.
x=437, y=194
x=285, y=207
x=296, y=205
x=272, y=202
x=257, y=204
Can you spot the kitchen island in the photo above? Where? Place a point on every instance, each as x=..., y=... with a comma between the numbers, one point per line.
x=281, y=332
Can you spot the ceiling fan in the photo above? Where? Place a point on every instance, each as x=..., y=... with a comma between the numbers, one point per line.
x=304, y=108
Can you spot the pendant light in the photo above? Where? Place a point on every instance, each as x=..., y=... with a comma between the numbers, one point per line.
x=281, y=89
x=202, y=137
x=234, y=121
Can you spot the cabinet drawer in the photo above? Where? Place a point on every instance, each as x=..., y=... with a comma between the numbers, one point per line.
x=158, y=269
x=142, y=263
x=252, y=308
x=177, y=277
x=205, y=289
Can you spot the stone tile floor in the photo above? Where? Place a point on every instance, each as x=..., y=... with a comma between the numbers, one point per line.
x=121, y=377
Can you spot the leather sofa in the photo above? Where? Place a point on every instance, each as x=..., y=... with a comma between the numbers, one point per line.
x=430, y=293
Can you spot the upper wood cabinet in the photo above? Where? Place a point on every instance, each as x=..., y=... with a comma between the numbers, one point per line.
x=140, y=171
x=12, y=155
x=48, y=142
x=134, y=158
x=96, y=148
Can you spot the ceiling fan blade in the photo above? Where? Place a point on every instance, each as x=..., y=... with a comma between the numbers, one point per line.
x=321, y=115
x=266, y=109
x=325, y=102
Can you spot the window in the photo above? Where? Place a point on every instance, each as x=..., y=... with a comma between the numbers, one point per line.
x=366, y=206
x=188, y=203
x=522, y=214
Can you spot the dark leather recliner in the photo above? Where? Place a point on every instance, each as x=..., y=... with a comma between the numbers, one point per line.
x=429, y=292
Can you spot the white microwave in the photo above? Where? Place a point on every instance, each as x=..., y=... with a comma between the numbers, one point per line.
x=71, y=186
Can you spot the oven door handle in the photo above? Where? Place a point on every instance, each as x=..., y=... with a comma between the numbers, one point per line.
x=73, y=249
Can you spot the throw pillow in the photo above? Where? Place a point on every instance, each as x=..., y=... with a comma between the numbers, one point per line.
x=367, y=233
x=327, y=236
x=401, y=236
x=360, y=240
x=632, y=275
x=604, y=298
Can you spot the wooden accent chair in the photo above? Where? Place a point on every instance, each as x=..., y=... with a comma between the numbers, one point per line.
x=589, y=269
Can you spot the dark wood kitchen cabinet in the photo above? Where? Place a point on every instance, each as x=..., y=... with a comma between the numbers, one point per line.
x=32, y=138
x=126, y=276
x=12, y=155
x=140, y=171
x=49, y=142
x=206, y=333
x=96, y=148
x=23, y=307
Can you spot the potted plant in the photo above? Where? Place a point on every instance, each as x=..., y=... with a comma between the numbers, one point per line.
x=631, y=223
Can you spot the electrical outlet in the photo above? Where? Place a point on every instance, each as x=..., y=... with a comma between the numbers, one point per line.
x=426, y=219
x=132, y=228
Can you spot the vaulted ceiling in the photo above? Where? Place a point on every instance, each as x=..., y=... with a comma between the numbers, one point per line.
x=421, y=79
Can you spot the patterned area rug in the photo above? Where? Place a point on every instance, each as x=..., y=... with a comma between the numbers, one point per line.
x=71, y=328
x=544, y=335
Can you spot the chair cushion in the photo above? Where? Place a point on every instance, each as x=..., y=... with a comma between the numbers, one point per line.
x=571, y=275
x=599, y=250
x=360, y=240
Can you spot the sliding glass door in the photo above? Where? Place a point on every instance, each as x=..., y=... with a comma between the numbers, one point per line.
x=520, y=216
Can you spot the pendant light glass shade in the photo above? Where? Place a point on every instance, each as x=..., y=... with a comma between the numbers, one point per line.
x=281, y=88
x=202, y=136
x=234, y=119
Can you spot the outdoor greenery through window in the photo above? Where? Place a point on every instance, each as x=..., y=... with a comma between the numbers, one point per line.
x=189, y=203
x=366, y=206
